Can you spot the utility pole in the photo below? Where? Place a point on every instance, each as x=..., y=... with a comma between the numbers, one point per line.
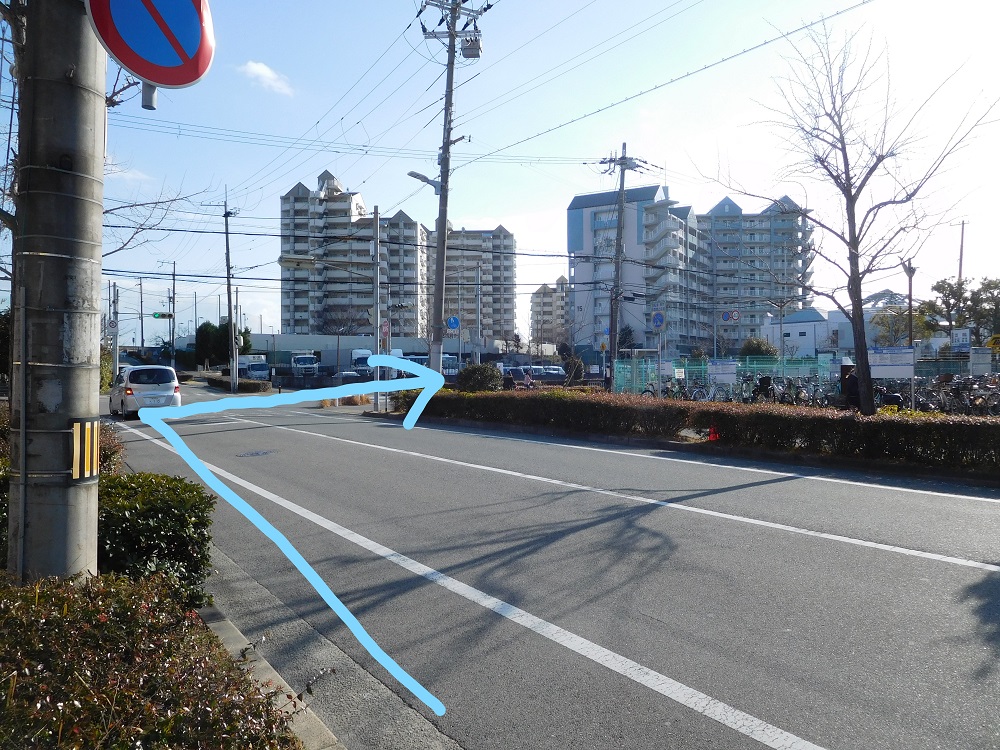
x=173, y=319
x=114, y=346
x=61, y=69
x=376, y=313
x=622, y=164
x=477, y=357
x=961, y=252
x=142, y=334
x=451, y=11
x=227, y=214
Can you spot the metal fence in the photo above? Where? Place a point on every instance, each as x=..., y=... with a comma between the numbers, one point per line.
x=637, y=375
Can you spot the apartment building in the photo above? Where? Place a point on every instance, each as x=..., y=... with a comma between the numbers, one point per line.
x=480, y=280
x=591, y=230
x=327, y=266
x=548, y=313
x=759, y=262
x=678, y=278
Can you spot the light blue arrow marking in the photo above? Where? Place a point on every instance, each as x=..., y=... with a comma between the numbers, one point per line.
x=427, y=380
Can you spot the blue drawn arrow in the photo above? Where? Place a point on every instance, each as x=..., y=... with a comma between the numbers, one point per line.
x=427, y=380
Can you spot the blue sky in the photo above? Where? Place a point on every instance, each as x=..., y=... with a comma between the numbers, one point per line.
x=355, y=89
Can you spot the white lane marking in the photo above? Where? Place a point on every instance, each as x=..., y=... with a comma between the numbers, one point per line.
x=329, y=417
x=764, y=733
x=650, y=501
x=748, y=469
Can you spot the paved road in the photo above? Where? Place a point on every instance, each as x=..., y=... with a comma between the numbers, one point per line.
x=560, y=594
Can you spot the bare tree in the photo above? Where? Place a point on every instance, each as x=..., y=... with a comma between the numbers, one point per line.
x=840, y=120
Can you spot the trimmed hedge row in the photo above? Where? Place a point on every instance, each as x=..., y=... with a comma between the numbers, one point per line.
x=944, y=441
x=113, y=663
x=243, y=385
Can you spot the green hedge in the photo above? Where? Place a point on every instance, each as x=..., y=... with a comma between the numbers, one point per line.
x=150, y=523
x=479, y=378
x=943, y=441
x=112, y=663
x=243, y=385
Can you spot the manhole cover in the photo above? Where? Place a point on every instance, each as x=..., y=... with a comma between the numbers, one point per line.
x=251, y=454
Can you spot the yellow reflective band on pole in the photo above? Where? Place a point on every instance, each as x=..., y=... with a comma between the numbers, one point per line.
x=86, y=448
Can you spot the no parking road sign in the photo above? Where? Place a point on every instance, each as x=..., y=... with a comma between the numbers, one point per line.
x=168, y=43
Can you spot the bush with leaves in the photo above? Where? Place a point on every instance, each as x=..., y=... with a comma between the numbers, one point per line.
x=150, y=523
x=945, y=441
x=243, y=385
x=114, y=663
x=479, y=378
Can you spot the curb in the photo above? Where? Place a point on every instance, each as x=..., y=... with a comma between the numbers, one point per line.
x=305, y=724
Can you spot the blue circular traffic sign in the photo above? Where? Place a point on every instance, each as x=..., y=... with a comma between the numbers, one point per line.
x=657, y=320
x=453, y=322
x=168, y=43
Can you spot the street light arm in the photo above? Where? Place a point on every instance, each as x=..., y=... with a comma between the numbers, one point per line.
x=436, y=184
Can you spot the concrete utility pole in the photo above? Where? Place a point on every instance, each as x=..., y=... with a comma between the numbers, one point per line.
x=451, y=10
x=233, y=354
x=173, y=318
x=57, y=288
x=622, y=164
x=376, y=312
x=142, y=333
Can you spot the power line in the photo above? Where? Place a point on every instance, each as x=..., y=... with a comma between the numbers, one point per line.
x=667, y=83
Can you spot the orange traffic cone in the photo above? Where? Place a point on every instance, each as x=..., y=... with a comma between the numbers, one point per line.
x=713, y=434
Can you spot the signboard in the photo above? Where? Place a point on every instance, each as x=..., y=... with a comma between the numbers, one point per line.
x=657, y=320
x=168, y=43
x=113, y=326
x=722, y=370
x=453, y=322
x=961, y=338
x=658, y=306
x=731, y=315
x=385, y=329
x=892, y=361
x=679, y=373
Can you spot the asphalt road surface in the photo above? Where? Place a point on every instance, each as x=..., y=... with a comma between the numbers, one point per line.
x=564, y=594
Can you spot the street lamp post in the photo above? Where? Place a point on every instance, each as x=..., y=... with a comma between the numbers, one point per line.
x=909, y=270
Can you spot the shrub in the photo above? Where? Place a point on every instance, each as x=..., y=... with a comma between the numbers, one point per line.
x=243, y=385
x=479, y=378
x=151, y=523
x=112, y=663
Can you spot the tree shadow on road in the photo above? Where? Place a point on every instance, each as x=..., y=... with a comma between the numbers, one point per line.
x=986, y=597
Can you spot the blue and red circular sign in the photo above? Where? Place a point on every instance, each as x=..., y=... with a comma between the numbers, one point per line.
x=168, y=43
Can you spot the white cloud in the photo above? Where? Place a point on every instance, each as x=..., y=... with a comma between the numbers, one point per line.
x=264, y=76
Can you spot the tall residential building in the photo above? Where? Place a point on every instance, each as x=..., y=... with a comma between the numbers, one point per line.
x=327, y=266
x=678, y=277
x=591, y=229
x=492, y=252
x=760, y=262
x=548, y=313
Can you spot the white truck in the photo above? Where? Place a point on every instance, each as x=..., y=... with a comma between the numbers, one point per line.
x=305, y=364
x=253, y=367
x=359, y=362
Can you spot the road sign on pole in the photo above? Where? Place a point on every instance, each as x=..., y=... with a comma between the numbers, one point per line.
x=453, y=322
x=385, y=329
x=658, y=320
x=168, y=44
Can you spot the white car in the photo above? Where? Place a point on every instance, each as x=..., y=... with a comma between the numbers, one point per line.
x=142, y=386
